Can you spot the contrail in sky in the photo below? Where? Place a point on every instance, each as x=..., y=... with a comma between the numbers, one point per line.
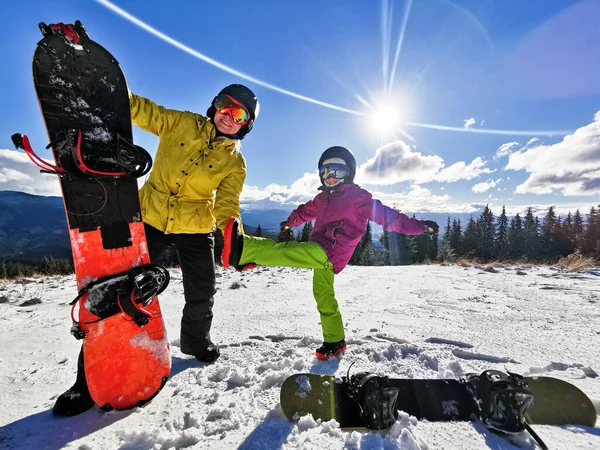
x=250, y=78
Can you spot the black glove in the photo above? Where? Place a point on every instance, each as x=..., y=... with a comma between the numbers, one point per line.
x=431, y=227
x=284, y=225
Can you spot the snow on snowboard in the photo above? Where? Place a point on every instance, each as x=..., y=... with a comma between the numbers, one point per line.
x=501, y=404
x=84, y=100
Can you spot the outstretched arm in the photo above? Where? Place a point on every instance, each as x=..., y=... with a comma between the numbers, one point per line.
x=151, y=117
x=390, y=219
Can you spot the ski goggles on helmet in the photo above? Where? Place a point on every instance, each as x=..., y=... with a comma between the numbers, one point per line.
x=226, y=104
x=337, y=171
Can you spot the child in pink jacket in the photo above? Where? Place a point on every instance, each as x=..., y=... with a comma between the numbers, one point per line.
x=340, y=211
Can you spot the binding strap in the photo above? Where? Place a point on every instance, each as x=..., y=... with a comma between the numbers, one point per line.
x=126, y=293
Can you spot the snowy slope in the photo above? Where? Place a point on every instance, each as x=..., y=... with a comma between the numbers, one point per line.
x=418, y=321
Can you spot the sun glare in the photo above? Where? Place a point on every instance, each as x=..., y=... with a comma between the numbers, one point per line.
x=385, y=118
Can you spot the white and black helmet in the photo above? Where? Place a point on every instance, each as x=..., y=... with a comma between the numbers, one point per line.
x=332, y=162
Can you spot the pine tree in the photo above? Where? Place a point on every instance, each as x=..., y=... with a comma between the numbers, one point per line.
x=470, y=239
x=456, y=236
x=502, y=235
x=258, y=232
x=403, y=249
x=515, y=238
x=566, y=228
x=531, y=245
x=576, y=235
x=363, y=253
x=305, y=233
x=384, y=239
x=487, y=234
x=549, y=237
x=447, y=233
x=591, y=234
x=286, y=235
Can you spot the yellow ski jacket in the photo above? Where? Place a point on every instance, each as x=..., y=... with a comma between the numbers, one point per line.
x=196, y=180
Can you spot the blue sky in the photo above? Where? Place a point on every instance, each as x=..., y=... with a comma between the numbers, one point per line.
x=469, y=67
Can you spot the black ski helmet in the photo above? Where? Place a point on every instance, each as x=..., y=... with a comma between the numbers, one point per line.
x=247, y=98
x=342, y=153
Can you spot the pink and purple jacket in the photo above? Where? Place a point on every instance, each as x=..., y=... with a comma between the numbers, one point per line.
x=341, y=220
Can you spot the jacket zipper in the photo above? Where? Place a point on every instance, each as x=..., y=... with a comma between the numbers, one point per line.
x=333, y=233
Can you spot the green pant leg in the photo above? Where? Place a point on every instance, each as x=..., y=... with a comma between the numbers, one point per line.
x=331, y=318
x=265, y=252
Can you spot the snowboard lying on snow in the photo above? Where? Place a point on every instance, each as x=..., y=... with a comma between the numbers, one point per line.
x=542, y=400
x=84, y=100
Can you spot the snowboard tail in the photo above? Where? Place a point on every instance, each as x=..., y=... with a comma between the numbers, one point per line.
x=83, y=97
x=556, y=402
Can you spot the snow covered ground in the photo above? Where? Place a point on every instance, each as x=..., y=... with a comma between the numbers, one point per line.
x=400, y=321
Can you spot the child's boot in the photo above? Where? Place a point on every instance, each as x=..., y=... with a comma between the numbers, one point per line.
x=77, y=399
x=329, y=349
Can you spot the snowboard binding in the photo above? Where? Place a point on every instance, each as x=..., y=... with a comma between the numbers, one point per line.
x=74, y=32
x=132, y=160
x=374, y=398
x=502, y=399
x=126, y=293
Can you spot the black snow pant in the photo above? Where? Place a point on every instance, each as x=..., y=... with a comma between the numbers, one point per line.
x=196, y=257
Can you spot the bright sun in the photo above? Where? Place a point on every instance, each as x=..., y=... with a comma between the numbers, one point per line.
x=385, y=118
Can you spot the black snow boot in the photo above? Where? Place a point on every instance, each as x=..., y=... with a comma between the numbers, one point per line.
x=210, y=355
x=77, y=399
x=329, y=349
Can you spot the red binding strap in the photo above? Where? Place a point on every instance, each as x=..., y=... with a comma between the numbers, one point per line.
x=44, y=165
x=78, y=158
x=67, y=30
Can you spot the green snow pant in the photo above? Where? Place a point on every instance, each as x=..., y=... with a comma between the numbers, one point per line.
x=304, y=255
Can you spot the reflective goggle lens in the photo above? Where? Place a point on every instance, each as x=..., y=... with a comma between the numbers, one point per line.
x=337, y=171
x=227, y=105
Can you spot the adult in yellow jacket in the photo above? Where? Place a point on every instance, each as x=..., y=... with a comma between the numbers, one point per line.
x=195, y=182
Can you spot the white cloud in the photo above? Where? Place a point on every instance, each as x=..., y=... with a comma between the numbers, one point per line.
x=462, y=171
x=482, y=123
x=483, y=187
x=397, y=162
x=18, y=173
x=506, y=149
x=571, y=166
x=469, y=122
x=510, y=147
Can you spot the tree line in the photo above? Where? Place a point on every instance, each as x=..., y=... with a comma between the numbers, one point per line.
x=489, y=238
x=497, y=238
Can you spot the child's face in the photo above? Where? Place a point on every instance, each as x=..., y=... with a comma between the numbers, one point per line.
x=331, y=181
x=225, y=124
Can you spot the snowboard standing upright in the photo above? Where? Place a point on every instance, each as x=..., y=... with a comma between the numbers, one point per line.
x=84, y=99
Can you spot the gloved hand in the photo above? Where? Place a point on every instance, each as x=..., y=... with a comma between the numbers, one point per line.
x=284, y=225
x=431, y=227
